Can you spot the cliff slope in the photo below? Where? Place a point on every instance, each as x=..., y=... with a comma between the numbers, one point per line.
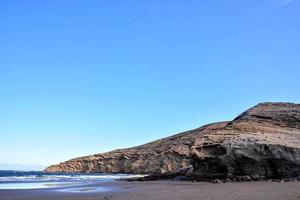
x=262, y=142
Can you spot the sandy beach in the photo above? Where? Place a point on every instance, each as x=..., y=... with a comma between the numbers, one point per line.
x=164, y=190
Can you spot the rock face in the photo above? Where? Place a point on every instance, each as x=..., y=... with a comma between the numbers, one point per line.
x=263, y=142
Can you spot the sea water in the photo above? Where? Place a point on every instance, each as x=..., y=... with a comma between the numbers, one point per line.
x=61, y=181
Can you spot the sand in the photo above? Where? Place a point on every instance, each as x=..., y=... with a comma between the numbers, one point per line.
x=165, y=190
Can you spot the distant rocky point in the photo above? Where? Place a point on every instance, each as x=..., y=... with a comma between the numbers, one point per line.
x=263, y=142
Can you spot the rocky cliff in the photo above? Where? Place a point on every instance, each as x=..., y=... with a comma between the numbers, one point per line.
x=263, y=142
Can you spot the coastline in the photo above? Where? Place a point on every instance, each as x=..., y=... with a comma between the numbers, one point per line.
x=175, y=190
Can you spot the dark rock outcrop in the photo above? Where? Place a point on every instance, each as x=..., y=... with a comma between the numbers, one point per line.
x=263, y=142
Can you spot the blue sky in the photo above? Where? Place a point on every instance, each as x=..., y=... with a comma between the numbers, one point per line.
x=82, y=77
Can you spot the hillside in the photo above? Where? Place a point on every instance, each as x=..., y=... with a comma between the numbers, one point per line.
x=263, y=142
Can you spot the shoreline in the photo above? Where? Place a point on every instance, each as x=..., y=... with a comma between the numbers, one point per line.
x=175, y=190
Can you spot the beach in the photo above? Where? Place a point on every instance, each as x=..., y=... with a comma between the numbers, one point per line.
x=163, y=190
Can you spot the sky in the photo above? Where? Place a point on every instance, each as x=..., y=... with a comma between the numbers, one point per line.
x=83, y=77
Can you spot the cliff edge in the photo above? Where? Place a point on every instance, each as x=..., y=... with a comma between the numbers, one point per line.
x=263, y=142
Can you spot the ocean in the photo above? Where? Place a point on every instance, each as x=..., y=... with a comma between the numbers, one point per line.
x=10, y=179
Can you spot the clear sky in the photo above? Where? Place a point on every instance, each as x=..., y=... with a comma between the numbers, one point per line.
x=81, y=77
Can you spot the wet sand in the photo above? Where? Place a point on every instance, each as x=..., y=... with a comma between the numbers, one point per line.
x=164, y=190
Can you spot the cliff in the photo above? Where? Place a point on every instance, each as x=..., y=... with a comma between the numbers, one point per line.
x=263, y=142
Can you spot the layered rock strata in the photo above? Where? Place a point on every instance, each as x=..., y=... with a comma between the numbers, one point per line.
x=263, y=142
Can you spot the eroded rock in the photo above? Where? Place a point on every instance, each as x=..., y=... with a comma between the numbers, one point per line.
x=263, y=142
